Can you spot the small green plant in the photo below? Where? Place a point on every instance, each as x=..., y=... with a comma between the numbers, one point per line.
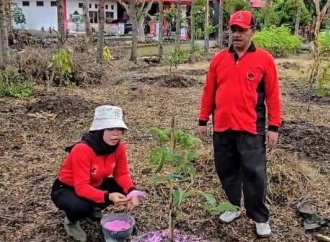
x=278, y=41
x=107, y=56
x=12, y=84
x=173, y=158
x=176, y=58
x=61, y=64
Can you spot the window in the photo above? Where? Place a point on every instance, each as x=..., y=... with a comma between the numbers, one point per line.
x=53, y=3
x=26, y=3
x=40, y=3
x=112, y=7
x=80, y=5
x=93, y=17
x=90, y=5
x=106, y=6
x=108, y=17
x=96, y=5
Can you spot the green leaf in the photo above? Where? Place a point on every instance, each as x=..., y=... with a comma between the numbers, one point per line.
x=225, y=206
x=160, y=134
x=210, y=199
x=178, y=196
x=174, y=176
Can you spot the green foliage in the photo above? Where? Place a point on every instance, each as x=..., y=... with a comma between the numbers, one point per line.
x=12, y=84
x=61, y=63
x=278, y=41
x=200, y=21
x=282, y=13
x=175, y=165
x=106, y=54
x=17, y=14
x=324, y=41
x=176, y=58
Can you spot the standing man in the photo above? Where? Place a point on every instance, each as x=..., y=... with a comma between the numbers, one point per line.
x=240, y=80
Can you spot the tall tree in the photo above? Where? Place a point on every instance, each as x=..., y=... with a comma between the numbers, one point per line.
x=298, y=17
x=206, y=27
x=4, y=49
x=220, y=27
x=60, y=22
x=192, y=23
x=88, y=30
x=101, y=21
x=178, y=18
x=160, y=28
x=138, y=10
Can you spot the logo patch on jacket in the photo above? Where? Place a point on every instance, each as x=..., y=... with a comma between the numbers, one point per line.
x=94, y=169
x=250, y=76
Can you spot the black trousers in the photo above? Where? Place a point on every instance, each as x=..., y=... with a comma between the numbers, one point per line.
x=65, y=198
x=240, y=159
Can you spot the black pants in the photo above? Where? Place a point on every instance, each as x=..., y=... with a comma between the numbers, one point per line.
x=65, y=198
x=240, y=159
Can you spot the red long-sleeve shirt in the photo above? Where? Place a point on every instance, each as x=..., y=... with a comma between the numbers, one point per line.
x=236, y=90
x=85, y=171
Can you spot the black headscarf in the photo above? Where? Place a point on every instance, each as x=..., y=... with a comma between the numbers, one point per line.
x=94, y=139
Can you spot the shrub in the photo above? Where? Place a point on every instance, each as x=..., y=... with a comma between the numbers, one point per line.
x=12, y=84
x=324, y=41
x=278, y=41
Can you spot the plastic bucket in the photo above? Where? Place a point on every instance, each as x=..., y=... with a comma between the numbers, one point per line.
x=115, y=235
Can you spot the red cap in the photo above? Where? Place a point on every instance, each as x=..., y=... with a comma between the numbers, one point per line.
x=243, y=19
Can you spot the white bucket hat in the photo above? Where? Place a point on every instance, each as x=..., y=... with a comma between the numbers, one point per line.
x=107, y=117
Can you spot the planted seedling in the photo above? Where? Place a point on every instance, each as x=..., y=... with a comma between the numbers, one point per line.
x=173, y=158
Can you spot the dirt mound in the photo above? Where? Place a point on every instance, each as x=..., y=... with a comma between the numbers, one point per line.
x=288, y=65
x=197, y=72
x=306, y=140
x=73, y=105
x=176, y=81
x=303, y=93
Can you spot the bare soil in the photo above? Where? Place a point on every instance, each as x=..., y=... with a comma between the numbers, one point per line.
x=34, y=133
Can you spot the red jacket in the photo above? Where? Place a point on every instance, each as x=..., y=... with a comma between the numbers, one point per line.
x=85, y=171
x=236, y=90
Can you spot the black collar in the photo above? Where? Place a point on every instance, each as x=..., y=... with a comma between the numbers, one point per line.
x=252, y=48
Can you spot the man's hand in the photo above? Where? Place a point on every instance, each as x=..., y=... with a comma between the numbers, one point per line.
x=271, y=140
x=202, y=132
x=118, y=199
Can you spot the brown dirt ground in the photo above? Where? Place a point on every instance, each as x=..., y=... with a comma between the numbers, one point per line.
x=32, y=149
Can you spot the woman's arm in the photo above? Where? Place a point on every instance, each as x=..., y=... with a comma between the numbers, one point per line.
x=121, y=172
x=82, y=156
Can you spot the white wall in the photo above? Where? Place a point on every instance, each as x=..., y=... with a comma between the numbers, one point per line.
x=38, y=16
x=76, y=6
x=73, y=5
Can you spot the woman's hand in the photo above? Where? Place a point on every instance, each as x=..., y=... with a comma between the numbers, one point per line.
x=133, y=203
x=134, y=196
x=119, y=199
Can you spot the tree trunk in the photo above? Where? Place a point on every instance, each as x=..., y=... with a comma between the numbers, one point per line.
x=178, y=25
x=297, y=20
x=8, y=16
x=192, y=24
x=220, y=28
x=160, y=28
x=101, y=30
x=133, y=16
x=216, y=15
x=140, y=30
x=230, y=40
x=4, y=49
x=88, y=30
x=60, y=22
x=206, y=27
